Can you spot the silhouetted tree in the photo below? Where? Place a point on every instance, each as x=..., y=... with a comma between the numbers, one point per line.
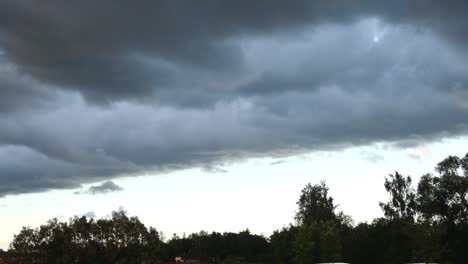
x=319, y=227
x=315, y=205
x=402, y=204
x=119, y=239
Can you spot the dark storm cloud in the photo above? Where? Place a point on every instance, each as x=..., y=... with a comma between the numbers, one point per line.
x=92, y=90
x=24, y=170
x=19, y=92
x=112, y=50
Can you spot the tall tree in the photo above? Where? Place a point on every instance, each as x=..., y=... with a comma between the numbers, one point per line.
x=318, y=236
x=315, y=205
x=402, y=203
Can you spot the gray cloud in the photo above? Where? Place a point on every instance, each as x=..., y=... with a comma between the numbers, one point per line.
x=19, y=92
x=118, y=50
x=105, y=187
x=92, y=90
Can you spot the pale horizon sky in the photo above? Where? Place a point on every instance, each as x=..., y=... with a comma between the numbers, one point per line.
x=259, y=193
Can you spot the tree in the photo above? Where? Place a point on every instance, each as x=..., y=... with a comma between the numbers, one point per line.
x=402, y=204
x=430, y=200
x=445, y=197
x=318, y=242
x=120, y=239
x=454, y=187
x=318, y=236
x=282, y=244
x=363, y=245
x=25, y=246
x=315, y=205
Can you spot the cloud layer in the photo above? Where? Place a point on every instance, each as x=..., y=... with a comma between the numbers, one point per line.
x=95, y=90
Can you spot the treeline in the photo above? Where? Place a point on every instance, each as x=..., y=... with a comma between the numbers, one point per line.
x=428, y=223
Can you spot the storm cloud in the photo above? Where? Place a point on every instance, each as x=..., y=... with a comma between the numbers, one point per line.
x=93, y=90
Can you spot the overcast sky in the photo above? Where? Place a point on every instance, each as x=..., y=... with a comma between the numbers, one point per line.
x=97, y=92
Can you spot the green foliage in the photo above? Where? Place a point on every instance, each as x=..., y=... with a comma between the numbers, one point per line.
x=117, y=240
x=318, y=242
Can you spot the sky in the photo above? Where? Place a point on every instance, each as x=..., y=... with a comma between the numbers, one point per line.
x=213, y=115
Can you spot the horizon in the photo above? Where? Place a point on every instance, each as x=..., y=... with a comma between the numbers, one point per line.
x=374, y=163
